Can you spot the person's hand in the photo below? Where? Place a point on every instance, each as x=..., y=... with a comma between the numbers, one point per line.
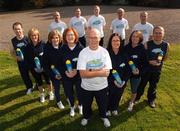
x=136, y=71
x=58, y=77
x=18, y=58
x=71, y=74
x=119, y=85
x=154, y=63
x=38, y=70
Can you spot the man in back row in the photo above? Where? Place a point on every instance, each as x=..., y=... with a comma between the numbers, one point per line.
x=145, y=27
x=97, y=21
x=80, y=24
x=120, y=25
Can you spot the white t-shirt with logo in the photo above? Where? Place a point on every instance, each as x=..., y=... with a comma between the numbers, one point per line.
x=119, y=26
x=94, y=59
x=79, y=24
x=60, y=26
x=146, y=29
x=97, y=22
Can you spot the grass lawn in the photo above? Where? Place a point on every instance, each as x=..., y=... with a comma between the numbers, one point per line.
x=24, y=112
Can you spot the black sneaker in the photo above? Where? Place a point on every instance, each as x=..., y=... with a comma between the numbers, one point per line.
x=152, y=104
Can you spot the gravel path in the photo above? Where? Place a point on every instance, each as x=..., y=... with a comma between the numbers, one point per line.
x=41, y=18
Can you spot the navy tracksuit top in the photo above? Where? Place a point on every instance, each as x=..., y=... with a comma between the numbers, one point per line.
x=72, y=55
x=21, y=44
x=35, y=51
x=51, y=57
x=138, y=55
x=153, y=51
x=120, y=64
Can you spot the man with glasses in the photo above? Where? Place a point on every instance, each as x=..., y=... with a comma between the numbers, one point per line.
x=94, y=64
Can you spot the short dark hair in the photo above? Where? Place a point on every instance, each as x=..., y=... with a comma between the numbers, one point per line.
x=158, y=27
x=15, y=24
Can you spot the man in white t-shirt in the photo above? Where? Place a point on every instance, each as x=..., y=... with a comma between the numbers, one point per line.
x=57, y=24
x=79, y=23
x=145, y=27
x=119, y=25
x=97, y=21
x=94, y=64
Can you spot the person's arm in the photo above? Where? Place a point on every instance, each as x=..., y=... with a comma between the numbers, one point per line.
x=12, y=52
x=127, y=26
x=104, y=22
x=111, y=27
x=167, y=53
x=94, y=73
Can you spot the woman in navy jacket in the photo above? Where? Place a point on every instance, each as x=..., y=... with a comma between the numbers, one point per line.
x=70, y=76
x=136, y=54
x=120, y=64
x=51, y=59
x=34, y=51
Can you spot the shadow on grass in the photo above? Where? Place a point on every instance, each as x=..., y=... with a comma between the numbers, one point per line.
x=9, y=82
x=125, y=115
x=16, y=106
x=95, y=123
x=8, y=124
x=7, y=98
x=46, y=121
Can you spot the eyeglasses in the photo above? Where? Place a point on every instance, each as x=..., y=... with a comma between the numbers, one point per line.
x=93, y=37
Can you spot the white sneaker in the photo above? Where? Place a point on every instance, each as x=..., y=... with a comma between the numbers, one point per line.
x=51, y=96
x=84, y=122
x=42, y=97
x=130, y=107
x=60, y=105
x=108, y=113
x=68, y=102
x=29, y=91
x=72, y=113
x=35, y=86
x=106, y=122
x=115, y=113
x=80, y=109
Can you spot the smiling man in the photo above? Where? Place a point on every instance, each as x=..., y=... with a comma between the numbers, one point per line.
x=94, y=64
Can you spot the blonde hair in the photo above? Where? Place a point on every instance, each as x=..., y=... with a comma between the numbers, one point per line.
x=33, y=31
x=53, y=33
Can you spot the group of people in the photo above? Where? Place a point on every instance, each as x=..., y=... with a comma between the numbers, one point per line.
x=75, y=58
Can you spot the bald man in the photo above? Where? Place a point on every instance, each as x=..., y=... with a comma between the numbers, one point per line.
x=120, y=25
x=145, y=27
x=57, y=24
x=94, y=64
x=97, y=21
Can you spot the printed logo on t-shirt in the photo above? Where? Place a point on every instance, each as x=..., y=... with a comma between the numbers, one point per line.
x=122, y=65
x=79, y=23
x=40, y=54
x=144, y=32
x=95, y=64
x=157, y=50
x=97, y=22
x=134, y=56
x=20, y=44
x=75, y=59
x=59, y=29
x=120, y=26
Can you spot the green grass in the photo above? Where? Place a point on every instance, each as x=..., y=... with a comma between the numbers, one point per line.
x=24, y=112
